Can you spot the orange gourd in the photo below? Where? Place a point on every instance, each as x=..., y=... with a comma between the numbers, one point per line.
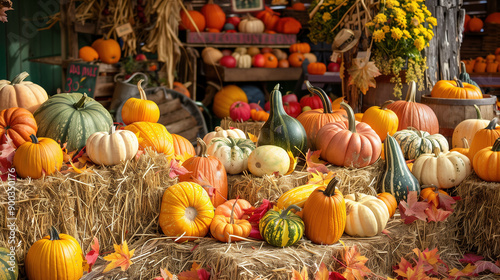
x=296, y=59
x=182, y=145
x=259, y=115
x=239, y=210
x=480, y=66
x=384, y=121
x=225, y=98
x=484, y=138
x=324, y=214
x=487, y=162
x=140, y=109
x=198, y=19
x=109, y=51
x=38, y=157
x=185, y=211
x=269, y=17
x=88, y=54
x=431, y=194
x=493, y=18
x=230, y=229
x=469, y=65
x=271, y=61
x=283, y=63
x=475, y=24
x=389, y=201
x=18, y=124
x=182, y=88
x=314, y=120
x=209, y=172
x=288, y=25
x=214, y=15
x=300, y=47
x=316, y=68
x=491, y=67
x=490, y=57
x=154, y=136
x=456, y=89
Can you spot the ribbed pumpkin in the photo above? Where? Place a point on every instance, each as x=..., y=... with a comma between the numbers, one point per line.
x=417, y=115
x=467, y=128
x=384, y=121
x=112, y=148
x=288, y=25
x=353, y=144
x=268, y=159
x=282, y=228
x=197, y=18
x=185, y=210
x=456, y=89
x=324, y=214
x=431, y=194
x=281, y=129
x=38, y=157
x=214, y=15
x=414, y=142
x=487, y=162
x=71, y=118
x=232, y=152
x=397, y=179
x=389, y=201
x=484, y=138
x=8, y=265
x=239, y=210
x=230, y=229
x=366, y=215
x=316, y=68
x=20, y=93
x=154, y=136
x=300, y=47
x=250, y=24
x=140, y=109
x=224, y=133
x=182, y=145
x=314, y=120
x=296, y=196
x=206, y=169
x=493, y=18
x=465, y=150
x=443, y=169
x=18, y=124
x=109, y=50
x=269, y=17
x=225, y=97
x=464, y=76
x=56, y=257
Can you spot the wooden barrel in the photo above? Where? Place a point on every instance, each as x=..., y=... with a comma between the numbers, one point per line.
x=450, y=112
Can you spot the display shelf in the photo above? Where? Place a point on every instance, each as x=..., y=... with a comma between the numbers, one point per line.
x=321, y=80
x=233, y=40
x=486, y=79
x=224, y=74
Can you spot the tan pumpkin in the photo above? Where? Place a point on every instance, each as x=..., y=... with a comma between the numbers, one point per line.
x=250, y=24
x=311, y=58
x=20, y=93
x=366, y=215
x=112, y=148
x=211, y=55
x=467, y=128
x=224, y=133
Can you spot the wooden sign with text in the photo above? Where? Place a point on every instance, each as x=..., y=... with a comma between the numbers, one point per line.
x=241, y=38
x=81, y=77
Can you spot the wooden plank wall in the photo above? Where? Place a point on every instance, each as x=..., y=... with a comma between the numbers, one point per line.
x=21, y=41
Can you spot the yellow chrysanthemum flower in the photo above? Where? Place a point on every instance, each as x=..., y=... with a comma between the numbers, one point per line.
x=415, y=21
x=416, y=31
x=370, y=24
x=379, y=35
x=396, y=33
x=327, y=17
x=406, y=34
x=432, y=21
x=386, y=28
x=380, y=18
x=412, y=7
x=419, y=43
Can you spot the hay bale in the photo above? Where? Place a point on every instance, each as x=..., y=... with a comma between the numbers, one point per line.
x=112, y=203
x=363, y=180
x=255, y=189
x=477, y=216
x=247, y=127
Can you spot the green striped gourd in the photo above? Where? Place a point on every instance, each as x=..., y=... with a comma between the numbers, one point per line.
x=232, y=152
x=296, y=196
x=397, y=179
x=71, y=118
x=282, y=228
x=7, y=272
x=281, y=129
x=415, y=142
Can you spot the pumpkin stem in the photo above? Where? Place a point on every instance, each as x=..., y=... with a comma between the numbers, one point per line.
x=350, y=116
x=141, y=90
x=356, y=196
x=34, y=139
x=496, y=146
x=436, y=151
x=19, y=78
x=218, y=128
x=384, y=106
x=231, y=219
x=410, y=96
x=327, y=105
x=203, y=147
x=112, y=130
x=330, y=189
x=462, y=67
x=53, y=233
x=459, y=83
x=492, y=124
x=284, y=213
x=81, y=103
x=465, y=143
x=478, y=112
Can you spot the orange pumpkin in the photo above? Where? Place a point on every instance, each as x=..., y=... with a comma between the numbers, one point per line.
x=475, y=24
x=336, y=103
x=431, y=194
x=229, y=229
x=491, y=67
x=456, y=89
x=239, y=213
x=384, y=121
x=493, y=18
x=283, y=63
x=271, y=61
x=464, y=150
x=469, y=65
x=182, y=145
x=296, y=59
x=288, y=25
x=109, y=51
x=154, y=136
x=88, y=54
x=480, y=65
x=484, y=138
x=487, y=162
x=225, y=98
x=298, y=6
x=97, y=44
x=18, y=124
x=182, y=88
x=198, y=19
x=259, y=115
x=269, y=17
x=497, y=51
x=316, y=68
x=389, y=201
x=214, y=16
x=466, y=25
x=300, y=47
x=209, y=172
x=140, y=109
x=37, y=158
x=490, y=57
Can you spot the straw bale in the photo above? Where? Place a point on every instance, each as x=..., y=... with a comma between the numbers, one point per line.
x=477, y=216
x=363, y=180
x=247, y=127
x=112, y=203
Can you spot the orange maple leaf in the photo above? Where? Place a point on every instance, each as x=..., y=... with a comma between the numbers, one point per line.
x=467, y=271
x=120, y=258
x=314, y=164
x=293, y=163
x=322, y=273
x=75, y=169
x=165, y=274
x=296, y=275
x=253, y=137
x=318, y=178
x=355, y=264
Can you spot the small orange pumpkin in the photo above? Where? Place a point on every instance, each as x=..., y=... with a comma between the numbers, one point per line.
x=491, y=67
x=140, y=110
x=198, y=18
x=296, y=59
x=389, y=201
x=316, y=68
x=299, y=6
x=300, y=47
x=271, y=61
x=109, y=51
x=431, y=193
x=226, y=208
x=182, y=88
x=88, y=54
x=480, y=65
x=475, y=24
x=288, y=25
x=182, y=145
x=229, y=229
x=493, y=18
x=456, y=89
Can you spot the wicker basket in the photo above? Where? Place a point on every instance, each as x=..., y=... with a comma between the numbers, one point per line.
x=247, y=127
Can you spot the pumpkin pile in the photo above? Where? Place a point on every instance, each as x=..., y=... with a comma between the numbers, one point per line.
x=103, y=49
x=488, y=64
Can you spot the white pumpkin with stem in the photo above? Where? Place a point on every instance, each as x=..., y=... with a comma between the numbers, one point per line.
x=251, y=24
x=366, y=215
x=232, y=152
x=443, y=169
x=224, y=133
x=113, y=147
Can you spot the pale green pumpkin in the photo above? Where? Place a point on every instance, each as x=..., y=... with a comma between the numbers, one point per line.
x=232, y=152
x=268, y=159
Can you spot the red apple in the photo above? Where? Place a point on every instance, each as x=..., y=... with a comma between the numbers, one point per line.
x=227, y=52
x=258, y=60
x=293, y=109
x=255, y=106
x=233, y=20
x=228, y=61
x=267, y=106
x=239, y=111
x=333, y=67
x=266, y=50
x=290, y=97
x=140, y=57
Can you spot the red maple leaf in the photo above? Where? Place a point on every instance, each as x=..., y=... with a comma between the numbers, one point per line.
x=255, y=214
x=436, y=215
x=431, y=260
x=196, y=273
x=91, y=256
x=486, y=265
x=470, y=258
x=403, y=267
x=413, y=209
x=176, y=169
x=446, y=201
x=314, y=164
x=7, y=151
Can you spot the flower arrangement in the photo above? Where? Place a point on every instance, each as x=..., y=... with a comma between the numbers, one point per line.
x=400, y=31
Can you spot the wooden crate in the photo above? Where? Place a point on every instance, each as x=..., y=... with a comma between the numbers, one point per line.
x=216, y=72
x=481, y=43
x=105, y=84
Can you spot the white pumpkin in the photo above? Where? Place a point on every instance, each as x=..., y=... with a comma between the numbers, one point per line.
x=232, y=152
x=267, y=159
x=443, y=169
x=366, y=215
x=240, y=50
x=113, y=147
x=242, y=60
x=224, y=133
x=251, y=25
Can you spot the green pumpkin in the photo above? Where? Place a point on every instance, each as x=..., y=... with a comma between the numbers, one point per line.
x=7, y=272
x=71, y=118
x=282, y=228
x=281, y=129
x=397, y=179
x=464, y=76
x=415, y=142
